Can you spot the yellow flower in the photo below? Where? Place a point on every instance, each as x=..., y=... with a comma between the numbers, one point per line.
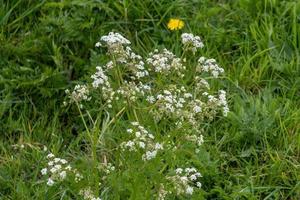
x=175, y=24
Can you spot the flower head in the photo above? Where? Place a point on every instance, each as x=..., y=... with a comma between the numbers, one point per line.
x=191, y=42
x=175, y=24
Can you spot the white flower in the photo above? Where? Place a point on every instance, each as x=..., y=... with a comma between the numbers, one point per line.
x=114, y=38
x=98, y=44
x=190, y=170
x=199, y=185
x=158, y=146
x=53, y=170
x=197, y=109
x=58, y=167
x=50, y=155
x=44, y=171
x=134, y=123
x=193, y=177
x=68, y=168
x=184, y=179
x=63, y=161
x=137, y=134
x=88, y=194
x=187, y=95
x=130, y=144
x=109, y=65
x=50, y=163
x=164, y=62
x=63, y=174
x=78, y=177
x=149, y=155
x=50, y=182
x=80, y=93
x=200, y=140
x=142, y=145
x=179, y=170
x=209, y=65
x=189, y=190
x=191, y=42
x=143, y=140
x=150, y=136
x=223, y=102
x=150, y=99
x=129, y=130
x=100, y=78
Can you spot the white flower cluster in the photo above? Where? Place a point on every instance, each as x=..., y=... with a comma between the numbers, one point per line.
x=108, y=168
x=186, y=180
x=164, y=62
x=131, y=90
x=191, y=42
x=135, y=64
x=114, y=42
x=201, y=84
x=223, y=102
x=142, y=140
x=162, y=193
x=114, y=39
x=214, y=103
x=171, y=102
x=139, y=82
x=100, y=80
x=57, y=170
x=209, y=65
x=179, y=104
x=88, y=194
x=80, y=93
x=197, y=139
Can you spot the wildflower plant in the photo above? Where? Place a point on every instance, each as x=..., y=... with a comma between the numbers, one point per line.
x=58, y=170
x=143, y=140
x=157, y=106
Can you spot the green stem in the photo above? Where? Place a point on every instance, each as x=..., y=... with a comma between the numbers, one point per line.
x=118, y=72
x=93, y=145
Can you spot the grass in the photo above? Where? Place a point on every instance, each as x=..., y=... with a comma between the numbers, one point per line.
x=48, y=46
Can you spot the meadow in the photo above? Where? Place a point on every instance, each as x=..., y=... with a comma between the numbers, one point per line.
x=69, y=130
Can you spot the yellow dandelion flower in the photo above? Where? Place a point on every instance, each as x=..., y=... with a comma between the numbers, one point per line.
x=175, y=24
